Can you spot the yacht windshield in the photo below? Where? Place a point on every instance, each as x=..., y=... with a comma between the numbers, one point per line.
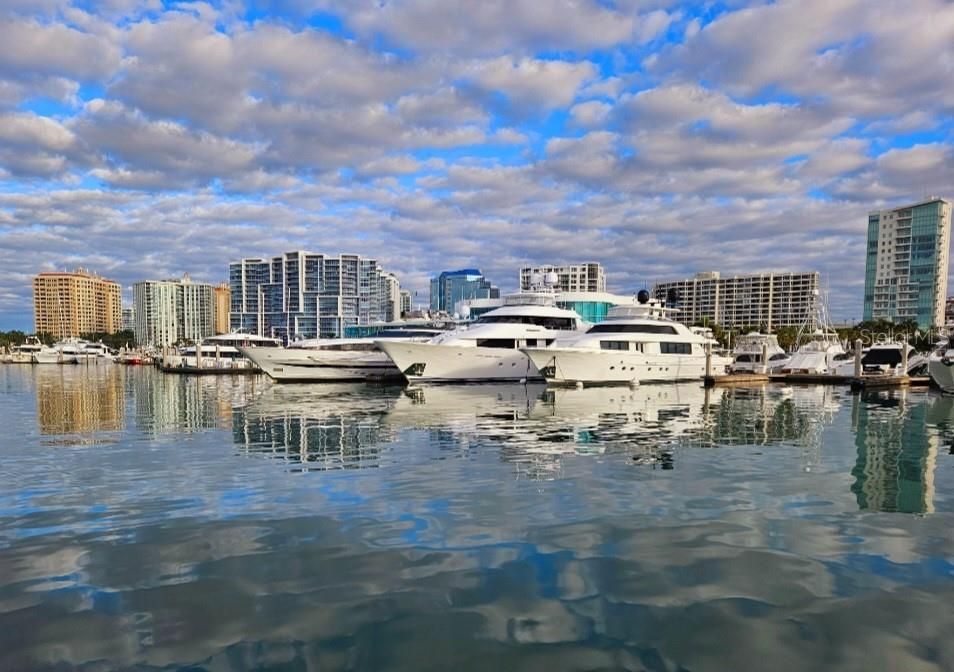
x=539, y=320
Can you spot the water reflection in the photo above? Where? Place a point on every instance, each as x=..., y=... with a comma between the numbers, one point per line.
x=897, y=450
x=79, y=400
x=531, y=426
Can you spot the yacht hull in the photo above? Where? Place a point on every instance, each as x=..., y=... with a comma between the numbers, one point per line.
x=53, y=358
x=941, y=370
x=609, y=367
x=300, y=365
x=434, y=363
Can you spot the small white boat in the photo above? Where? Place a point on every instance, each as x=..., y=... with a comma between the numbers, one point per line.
x=635, y=344
x=748, y=350
x=48, y=355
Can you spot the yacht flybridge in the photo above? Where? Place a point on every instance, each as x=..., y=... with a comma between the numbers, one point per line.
x=489, y=349
x=635, y=344
x=747, y=354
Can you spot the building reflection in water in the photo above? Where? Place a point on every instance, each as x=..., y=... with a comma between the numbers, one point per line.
x=897, y=449
x=79, y=399
x=333, y=426
x=531, y=426
x=166, y=403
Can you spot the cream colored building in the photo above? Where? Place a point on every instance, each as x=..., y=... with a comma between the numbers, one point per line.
x=222, y=298
x=71, y=304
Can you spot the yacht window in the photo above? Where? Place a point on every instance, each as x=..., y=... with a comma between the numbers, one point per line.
x=496, y=343
x=407, y=333
x=743, y=358
x=777, y=356
x=357, y=347
x=675, y=348
x=611, y=328
x=614, y=345
x=538, y=320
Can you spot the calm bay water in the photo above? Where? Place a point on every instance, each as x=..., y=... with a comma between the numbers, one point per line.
x=162, y=522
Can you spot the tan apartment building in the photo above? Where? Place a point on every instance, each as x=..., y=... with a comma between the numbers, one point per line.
x=73, y=303
x=223, y=297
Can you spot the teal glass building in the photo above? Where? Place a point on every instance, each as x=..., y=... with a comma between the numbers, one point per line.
x=907, y=263
x=452, y=286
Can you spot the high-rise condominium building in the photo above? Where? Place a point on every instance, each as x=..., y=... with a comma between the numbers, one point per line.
x=173, y=311
x=72, y=304
x=306, y=295
x=222, y=301
x=588, y=277
x=452, y=286
x=906, y=269
x=129, y=319
x=405, y=302
x=766, y=300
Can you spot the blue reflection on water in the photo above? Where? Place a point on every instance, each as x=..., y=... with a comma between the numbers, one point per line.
x=158, y=521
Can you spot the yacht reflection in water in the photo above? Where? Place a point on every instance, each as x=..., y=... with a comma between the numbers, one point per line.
x=534, y=427
x=897, y=436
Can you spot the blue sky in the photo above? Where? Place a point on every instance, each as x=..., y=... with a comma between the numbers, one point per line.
x=145, y=139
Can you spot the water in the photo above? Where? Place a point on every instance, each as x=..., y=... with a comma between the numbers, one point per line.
x=162, y=522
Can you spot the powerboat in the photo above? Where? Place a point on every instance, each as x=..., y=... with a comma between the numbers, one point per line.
x=884, y=359
x=488, y=349
x=635, y=344
x=23, y=353
x=821, y=354
x=335, y=359
x=747, y=354
x=941, y=365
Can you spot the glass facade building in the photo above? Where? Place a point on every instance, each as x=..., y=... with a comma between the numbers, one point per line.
x=907, y=263
x=452, y=286
x=166, y=312
x=305, y=295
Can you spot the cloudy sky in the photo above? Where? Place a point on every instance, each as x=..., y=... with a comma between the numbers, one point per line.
x=145, y=139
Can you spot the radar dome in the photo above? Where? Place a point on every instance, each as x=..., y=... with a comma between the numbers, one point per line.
x=464, y=312
x=551, y=279
x=642, y=296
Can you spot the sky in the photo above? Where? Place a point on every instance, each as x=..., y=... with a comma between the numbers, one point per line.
x=146, y=139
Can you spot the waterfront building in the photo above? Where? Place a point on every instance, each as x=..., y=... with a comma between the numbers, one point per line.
x=906, y=269
x=766, y=300
x=173, y=311
x=452, y=286
x=591, y=306
x=221, y=295
x=405, y=302
x=129, y=319
x=71, y=304
x=586, y=277
x=306, y=295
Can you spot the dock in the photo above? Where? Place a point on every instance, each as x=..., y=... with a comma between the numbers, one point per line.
x=736, y=379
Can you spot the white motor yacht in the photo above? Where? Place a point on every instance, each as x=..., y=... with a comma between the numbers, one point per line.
x=635, y=344
x=217, y=352
x=941, y=365
x=23, y=353
x=489, y=349
x=335, y=359
x=883, y=359
x=820, y=354
x=747, y=354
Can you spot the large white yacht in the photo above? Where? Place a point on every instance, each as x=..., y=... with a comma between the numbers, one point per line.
x=747, y=354
x=635, y=344
x=488, y=350
x=335, y=359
